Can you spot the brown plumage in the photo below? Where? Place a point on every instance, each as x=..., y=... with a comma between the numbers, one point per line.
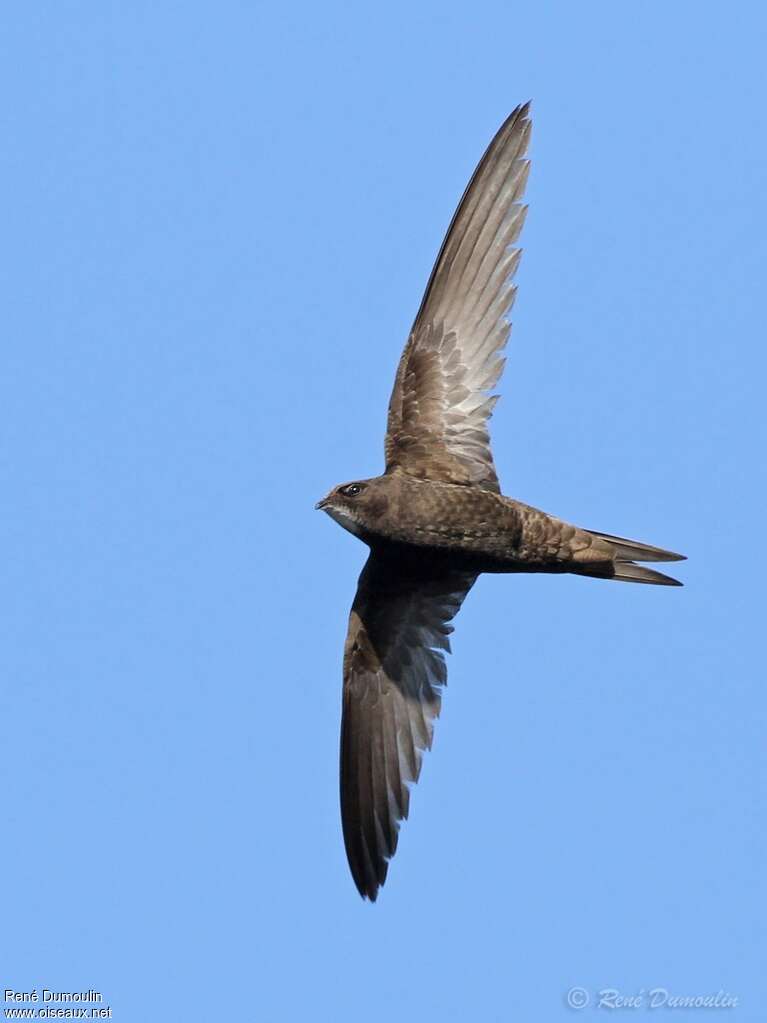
x=436, y=519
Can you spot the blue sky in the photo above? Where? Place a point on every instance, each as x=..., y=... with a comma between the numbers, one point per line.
x=218, y=222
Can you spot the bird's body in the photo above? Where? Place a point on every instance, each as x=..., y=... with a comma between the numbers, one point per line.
x=479, y=529
x=436, y=518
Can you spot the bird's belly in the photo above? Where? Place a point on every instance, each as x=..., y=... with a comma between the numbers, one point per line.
x=494, y=546
x=485, y=529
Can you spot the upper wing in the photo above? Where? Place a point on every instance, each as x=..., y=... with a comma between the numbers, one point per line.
x=439, y=407
x=394, y=668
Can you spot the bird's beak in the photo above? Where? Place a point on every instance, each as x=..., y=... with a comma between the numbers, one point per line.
x=321, y=504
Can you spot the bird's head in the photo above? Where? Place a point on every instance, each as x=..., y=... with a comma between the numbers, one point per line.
x=356, y=506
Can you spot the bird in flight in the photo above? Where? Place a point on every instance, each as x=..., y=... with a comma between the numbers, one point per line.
x=436, y=518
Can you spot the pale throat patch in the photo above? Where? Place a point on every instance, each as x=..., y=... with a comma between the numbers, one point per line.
x=345, y=520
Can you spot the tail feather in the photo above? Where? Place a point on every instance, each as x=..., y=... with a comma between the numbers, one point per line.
x=631, y=550
x=614, y=557
x=628, y=572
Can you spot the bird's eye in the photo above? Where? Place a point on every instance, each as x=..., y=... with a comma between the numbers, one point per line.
x=352, y=490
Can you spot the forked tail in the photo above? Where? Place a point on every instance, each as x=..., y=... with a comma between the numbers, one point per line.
x=623, y=555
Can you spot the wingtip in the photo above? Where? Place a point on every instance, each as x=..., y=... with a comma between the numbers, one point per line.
x=368, y=893
x=520, y=114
